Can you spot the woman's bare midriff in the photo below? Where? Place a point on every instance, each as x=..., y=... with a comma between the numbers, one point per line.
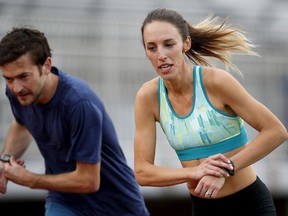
x=233, y=184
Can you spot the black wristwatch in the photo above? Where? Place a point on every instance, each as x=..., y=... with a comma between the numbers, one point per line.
x=231, y=172
x=5, y=158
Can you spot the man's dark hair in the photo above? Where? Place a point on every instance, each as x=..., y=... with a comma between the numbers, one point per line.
x=20, y=41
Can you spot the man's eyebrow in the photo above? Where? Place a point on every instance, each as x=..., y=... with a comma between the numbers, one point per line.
x=5, y=77
x=19, y=75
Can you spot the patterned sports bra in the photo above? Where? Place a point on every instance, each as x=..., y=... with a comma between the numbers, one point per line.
x=205, y=131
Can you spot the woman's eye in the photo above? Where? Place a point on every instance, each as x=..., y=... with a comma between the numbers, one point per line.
x=151, y=49
x=169, y=45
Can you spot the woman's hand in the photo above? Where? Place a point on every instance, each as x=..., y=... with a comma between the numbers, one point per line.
x=209, y=186
x=215, y=165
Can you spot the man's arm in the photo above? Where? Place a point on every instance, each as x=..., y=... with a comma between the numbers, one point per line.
x=85, y=179
x=17, y=141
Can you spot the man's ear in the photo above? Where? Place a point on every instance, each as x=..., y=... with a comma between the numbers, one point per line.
x=47, y=66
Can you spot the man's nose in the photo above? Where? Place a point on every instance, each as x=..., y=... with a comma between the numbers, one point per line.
x=17, y=86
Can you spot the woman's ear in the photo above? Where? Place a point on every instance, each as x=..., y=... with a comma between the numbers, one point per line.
x=187, y=44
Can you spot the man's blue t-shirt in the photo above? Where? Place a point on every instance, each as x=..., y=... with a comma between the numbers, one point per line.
x=74, y=126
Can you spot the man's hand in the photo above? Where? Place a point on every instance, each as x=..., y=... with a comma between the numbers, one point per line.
x=16, y=172
x=3, y=179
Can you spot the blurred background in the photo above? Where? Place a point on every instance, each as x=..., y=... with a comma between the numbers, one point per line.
x=100, y=41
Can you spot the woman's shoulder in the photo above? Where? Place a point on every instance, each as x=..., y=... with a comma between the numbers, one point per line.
x=149, y=88
x=216, y=77
x=146, y=101
x=221, y=86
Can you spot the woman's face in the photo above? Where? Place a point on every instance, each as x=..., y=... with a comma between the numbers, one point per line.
x=164, y=48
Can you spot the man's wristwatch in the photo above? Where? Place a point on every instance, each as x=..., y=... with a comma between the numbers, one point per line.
x=5, y=158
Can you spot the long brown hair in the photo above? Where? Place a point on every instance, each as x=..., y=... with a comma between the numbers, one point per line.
x=210, y=38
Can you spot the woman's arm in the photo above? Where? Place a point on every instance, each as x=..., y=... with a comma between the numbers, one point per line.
x=272, y=132
x=146, y=172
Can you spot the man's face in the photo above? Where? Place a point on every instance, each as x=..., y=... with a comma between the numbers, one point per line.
x=24, y=79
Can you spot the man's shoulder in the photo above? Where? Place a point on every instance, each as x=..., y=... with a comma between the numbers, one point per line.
x=74, y=90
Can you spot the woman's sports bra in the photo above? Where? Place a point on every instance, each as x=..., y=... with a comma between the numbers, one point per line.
x=205, y=131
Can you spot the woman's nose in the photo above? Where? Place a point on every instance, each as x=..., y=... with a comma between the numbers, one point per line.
x=161, y=55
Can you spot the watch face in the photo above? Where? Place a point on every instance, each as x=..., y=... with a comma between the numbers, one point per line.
x=5, y=158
